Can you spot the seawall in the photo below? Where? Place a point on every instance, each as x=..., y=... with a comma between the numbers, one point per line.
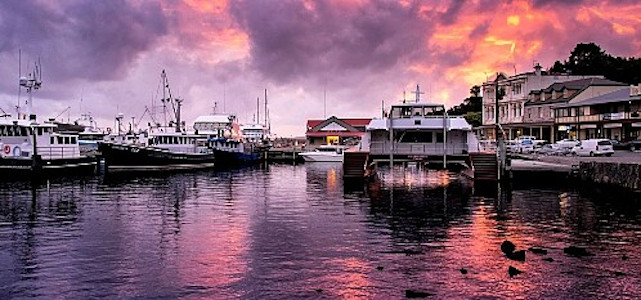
x=626, y=175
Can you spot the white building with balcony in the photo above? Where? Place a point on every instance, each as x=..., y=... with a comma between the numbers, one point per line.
x=511, y=108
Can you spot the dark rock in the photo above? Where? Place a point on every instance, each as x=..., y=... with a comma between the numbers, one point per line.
x=463, y=270
x=507, y=247
x=518, y=255
x=513, y=271
x=556, y=230
x=417, y=294
x=624, y=257
x=539, y=251
x=412, y=252
x=576, y=251
x=380, y=268
x=619, y=273
x=548, y=259
x=319, y=290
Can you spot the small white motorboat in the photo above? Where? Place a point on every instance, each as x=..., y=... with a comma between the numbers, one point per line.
x=324, y=153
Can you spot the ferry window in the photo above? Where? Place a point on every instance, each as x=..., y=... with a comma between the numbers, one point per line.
x=406, y=112
x=417, y=111
x=52, y=141
x=439, y=137
x=73, y=139
x=60, y=140
x=66, y=140
x=3, y=130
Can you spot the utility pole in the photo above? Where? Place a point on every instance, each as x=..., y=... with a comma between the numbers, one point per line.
x=500, y=145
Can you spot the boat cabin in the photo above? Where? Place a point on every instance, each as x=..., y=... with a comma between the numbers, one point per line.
x=24, y=138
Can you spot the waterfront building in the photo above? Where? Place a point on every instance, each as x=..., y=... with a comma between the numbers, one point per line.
x=512, y=107
x=538, y=119
x=335, y=131
x=614, y=115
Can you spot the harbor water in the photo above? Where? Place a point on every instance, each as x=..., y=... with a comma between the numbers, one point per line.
x=285, y=231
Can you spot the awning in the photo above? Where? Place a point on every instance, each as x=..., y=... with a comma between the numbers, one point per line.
x=612, y=125
x=638, y=124
x=588, y=126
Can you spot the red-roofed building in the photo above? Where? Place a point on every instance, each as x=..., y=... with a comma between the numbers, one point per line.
x=335, y=131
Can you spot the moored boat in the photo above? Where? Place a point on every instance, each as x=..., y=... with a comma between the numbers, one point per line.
x=324, y=153
x=27, y=146
x=167, y=147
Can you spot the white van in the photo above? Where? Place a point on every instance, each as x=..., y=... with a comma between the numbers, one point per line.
x=593, y=147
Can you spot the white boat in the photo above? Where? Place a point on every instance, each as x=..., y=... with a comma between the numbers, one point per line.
x=324, y=153
x=28, y=146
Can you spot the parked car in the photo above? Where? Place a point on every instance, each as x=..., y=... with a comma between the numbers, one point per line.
x=619, y=145
x=567, y=143
x=593, y=147
x=525, y=146
x=551, y=149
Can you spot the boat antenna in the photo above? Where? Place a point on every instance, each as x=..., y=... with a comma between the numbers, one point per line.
x=325, y=100
x=19, y=84
x=404, y=97
x=257, y=110
x=418, y=94
x=265, y=107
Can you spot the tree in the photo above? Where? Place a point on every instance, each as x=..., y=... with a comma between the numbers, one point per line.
x=475, y=91
x=474, y=118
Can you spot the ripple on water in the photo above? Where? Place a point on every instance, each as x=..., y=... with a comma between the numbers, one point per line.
x=296, y=231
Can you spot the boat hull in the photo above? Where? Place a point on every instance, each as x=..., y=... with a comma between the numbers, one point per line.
x=26, y=166
x=229, y=157
x=119, y=157
x=322, y=158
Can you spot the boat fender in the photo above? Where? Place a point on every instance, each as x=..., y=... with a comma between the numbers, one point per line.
x=17, y=151
x=6, y=149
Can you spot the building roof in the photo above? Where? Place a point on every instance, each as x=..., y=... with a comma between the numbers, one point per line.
x=352, y=122
x=576, y=86
x=579, y=84
x=616, y=96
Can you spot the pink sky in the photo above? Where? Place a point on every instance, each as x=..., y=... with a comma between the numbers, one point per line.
x=111, y=53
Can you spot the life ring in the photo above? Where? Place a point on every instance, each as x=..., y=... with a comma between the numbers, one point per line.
x=6, y=149
x=17, y=151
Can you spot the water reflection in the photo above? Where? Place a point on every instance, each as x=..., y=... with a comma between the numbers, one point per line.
x=287, y=231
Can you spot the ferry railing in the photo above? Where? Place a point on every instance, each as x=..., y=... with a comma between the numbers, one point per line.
x=58, y=152
x=380, y=148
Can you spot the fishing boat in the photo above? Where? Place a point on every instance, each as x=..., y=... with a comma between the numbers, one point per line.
x=166, y=147
x=28, y=146
x=224, y=138
x=324, y=153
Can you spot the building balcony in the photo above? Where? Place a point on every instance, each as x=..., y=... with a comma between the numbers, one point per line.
x=600, y=117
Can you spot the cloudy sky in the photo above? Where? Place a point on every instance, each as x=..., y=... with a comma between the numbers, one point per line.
x=110, y=53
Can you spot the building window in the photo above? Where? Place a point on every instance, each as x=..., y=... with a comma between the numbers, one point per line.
x=516, y=89
x=540, y=113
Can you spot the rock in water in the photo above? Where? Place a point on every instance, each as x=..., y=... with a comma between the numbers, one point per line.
x=513, y=271
x=507, y=247
x=380, y=268
x=417, y=294
x=576, y=251
x=548, y=259
x=539, y=251
x=463, y=271
x=517, y=255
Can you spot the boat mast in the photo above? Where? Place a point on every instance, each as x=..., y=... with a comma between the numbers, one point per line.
x=30, y=84
x=257, y=110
